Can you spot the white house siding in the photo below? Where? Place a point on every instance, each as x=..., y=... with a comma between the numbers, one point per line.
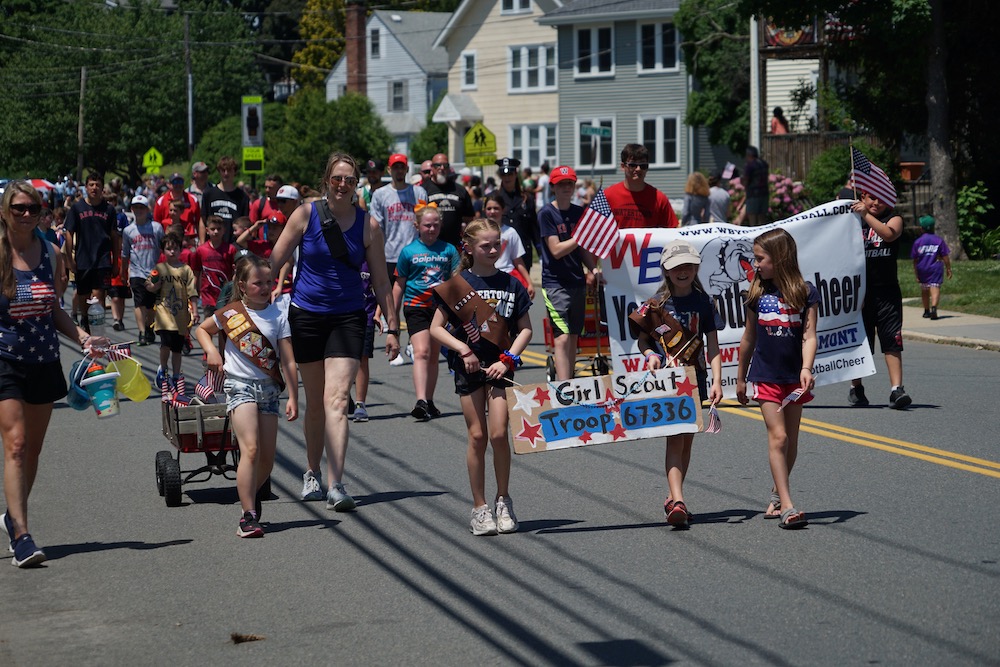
x=783, y=78
x=624, y=96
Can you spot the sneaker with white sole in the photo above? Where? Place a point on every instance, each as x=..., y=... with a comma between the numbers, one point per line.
x=338, y=500
x=482, y=521
x=8, y=528
x=312, y=489
x=249, y=527
x=26, y=553
x=360, y=412
x=506, y=521
x=398, y=361
x=899, y=399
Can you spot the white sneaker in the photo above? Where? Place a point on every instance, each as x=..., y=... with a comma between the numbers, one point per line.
x=338, y=500
x=506, y=521
x=360, y=412
x=409, y=351
x=311, y=487
x=482, y=521
x=398, y=361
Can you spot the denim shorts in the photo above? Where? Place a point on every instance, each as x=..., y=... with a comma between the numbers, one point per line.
x=264, y=393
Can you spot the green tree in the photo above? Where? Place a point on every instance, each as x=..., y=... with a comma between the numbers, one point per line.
x=432, y=139
x=716, y=44
x=322, y=29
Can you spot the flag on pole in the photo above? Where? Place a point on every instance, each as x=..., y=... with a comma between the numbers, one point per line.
x=120, y=351
x=208, y=385
x=597, y=230
x=869, y=178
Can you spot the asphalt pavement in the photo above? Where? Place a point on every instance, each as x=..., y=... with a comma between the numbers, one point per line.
x=899, y=565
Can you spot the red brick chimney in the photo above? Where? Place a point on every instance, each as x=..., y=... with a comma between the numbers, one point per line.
x=355, y=50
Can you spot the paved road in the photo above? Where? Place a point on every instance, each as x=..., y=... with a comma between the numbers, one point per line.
x=899, y=565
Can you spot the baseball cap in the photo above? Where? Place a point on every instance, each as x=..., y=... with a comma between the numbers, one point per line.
x=374, y=164
x=679, y=252
x=139, y=200
x=508, y=165
x=560, y=174
x=927, y=221
x=397, y=157
x=287, y=192
x=176, y=177
x=199, y=166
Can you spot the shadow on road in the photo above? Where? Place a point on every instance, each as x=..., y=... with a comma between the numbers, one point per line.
x=392, y=496
x=55, y=552
x=282, y=526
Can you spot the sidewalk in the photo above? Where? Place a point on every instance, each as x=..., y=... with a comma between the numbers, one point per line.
x=951, y=328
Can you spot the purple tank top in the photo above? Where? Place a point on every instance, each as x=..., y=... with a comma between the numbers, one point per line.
x=325, y=285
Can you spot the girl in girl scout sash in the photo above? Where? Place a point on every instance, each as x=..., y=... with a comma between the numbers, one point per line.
x=258, y=348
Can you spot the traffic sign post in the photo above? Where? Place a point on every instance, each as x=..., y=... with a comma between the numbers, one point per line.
x=253, y=160
x=595, y=131
x=253, y=121
x=480, y=146
x=152, y=160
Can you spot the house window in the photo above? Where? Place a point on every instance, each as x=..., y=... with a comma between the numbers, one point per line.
x=604, y=155
x=533, y=144
x=375, y=44
x=515, y=6
x=532, y=68
x=468, y=70
x=657, y=47
x=397, y=96
x=594, y=52
x=659, y=134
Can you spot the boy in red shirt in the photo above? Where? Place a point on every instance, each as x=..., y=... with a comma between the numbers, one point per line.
x=212, y=263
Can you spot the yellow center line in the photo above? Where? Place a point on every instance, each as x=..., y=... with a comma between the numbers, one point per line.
x=891, y=445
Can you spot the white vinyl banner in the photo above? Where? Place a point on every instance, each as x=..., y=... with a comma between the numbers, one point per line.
x=831, y=257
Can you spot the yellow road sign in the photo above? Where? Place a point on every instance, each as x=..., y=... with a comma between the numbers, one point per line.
x=152, y=160
x=253, y=159
x=480, y=141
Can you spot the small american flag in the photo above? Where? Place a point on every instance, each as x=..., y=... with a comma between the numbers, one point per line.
x=120, y=351
x=34, y=299
x=714, y=422
x=597, y=230
x=472, y=330
x=869, y=178
x=210, y=383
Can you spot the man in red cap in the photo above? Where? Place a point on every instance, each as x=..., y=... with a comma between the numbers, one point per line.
x=392, y=208
x=190, y=210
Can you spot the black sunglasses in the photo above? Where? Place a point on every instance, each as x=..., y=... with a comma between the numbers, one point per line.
x=637, y=165
x=425, y=171
x=440, y=165
x=21, y=209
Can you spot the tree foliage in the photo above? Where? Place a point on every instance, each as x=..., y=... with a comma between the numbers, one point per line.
x=431, y=140
x=716, y=44
x=322, y=28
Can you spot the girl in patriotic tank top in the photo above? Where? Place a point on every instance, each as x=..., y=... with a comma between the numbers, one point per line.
x=254, y=378
x=779, y=347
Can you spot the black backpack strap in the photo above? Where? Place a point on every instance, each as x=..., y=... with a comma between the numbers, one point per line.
x=334, y=235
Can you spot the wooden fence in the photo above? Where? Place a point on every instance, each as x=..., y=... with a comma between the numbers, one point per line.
x=791, y=154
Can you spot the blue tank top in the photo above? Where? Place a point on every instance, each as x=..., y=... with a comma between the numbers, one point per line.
x=325, y=285
x=27, y=329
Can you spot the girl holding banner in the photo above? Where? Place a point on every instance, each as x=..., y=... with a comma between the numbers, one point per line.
x=484, y=307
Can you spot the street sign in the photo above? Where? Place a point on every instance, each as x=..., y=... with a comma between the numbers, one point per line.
x=253, y=160
x=253, y=121
x=483, y=160
x=152, y=160
x=595, y=131
x=480, y=142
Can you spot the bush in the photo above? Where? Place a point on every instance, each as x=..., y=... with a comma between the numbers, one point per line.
x=973, y=203
x=830, y=170
x=785, y=196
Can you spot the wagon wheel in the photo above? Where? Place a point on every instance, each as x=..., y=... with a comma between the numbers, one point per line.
x=172, y=482
x=161, y=458
x=550, y=369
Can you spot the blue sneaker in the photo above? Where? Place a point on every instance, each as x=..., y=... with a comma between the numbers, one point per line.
x=8, y=527
x=26, y=553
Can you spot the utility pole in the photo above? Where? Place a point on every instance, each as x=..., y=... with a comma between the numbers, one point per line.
x=190, y=86
x=79, y=129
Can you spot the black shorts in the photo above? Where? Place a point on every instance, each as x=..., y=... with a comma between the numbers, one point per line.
x=418, y=319
x=91, y=279
x=883, y=312
x=466, y=384
x=171, y=339
x=391, y=270
x=141, y=297
x=119, y=292
x=369, y=349
x=318, y=336
x=37, y=384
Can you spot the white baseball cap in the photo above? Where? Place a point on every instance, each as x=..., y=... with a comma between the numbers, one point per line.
x=288, y=192
x=139, y=200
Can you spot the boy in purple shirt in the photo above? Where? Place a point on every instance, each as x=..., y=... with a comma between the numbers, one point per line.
x=930, y=263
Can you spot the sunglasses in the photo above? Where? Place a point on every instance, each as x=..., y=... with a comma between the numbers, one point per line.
x=350, y=180
x=30, y=209
x=425, y=171
x=642, y=166
x=440, y=165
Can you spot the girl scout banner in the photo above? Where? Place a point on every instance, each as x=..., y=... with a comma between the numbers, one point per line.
x=831, y=256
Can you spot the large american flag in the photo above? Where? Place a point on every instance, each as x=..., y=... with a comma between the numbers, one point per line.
x=869, y=178
x=33, y=299
x=597, y=230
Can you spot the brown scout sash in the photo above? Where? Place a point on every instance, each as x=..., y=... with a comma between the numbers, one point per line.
x=472, y=310
x=248, y=339
x=679, y=344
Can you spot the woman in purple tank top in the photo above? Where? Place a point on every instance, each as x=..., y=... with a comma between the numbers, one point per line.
x=328, y=319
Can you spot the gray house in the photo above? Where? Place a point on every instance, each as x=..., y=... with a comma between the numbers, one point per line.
x=406, y=74
x=620, y=70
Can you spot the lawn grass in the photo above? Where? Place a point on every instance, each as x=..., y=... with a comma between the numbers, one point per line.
x=974, y=288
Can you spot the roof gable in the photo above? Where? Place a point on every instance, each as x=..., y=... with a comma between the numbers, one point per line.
x=576, y=11
x=416, y=32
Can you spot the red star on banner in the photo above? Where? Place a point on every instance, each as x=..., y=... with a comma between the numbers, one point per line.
x=586, y=437
x=686, y=388
x=530, y=432
x=610, y=403
x=617, y=432
x=542, y=396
